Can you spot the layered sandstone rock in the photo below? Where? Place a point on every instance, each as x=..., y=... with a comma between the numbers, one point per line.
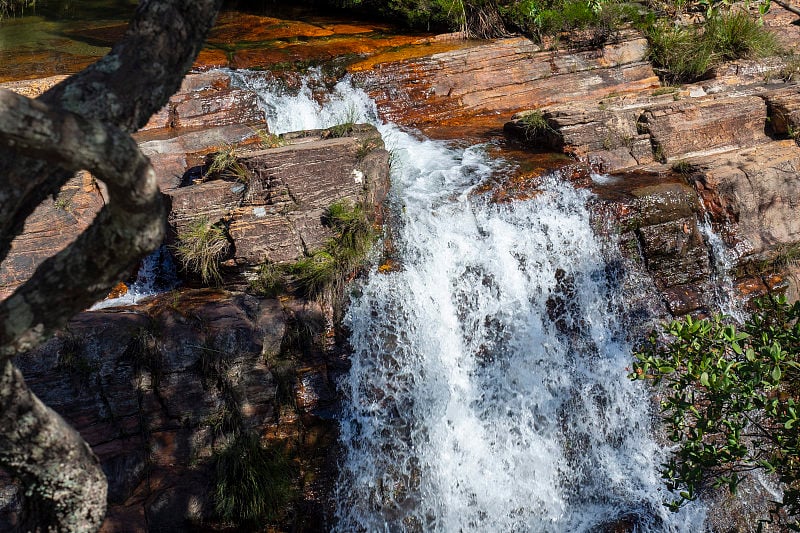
x=502, y=77
x=53, y=225
x=205, y=115
x=275, y=213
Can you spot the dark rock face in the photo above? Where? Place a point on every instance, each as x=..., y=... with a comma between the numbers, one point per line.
x=157, y=388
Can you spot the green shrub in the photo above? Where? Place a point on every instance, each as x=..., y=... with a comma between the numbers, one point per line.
x=729, y=400
x=253, y=483
x=201, y=247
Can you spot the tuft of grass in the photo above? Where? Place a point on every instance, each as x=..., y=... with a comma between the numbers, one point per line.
x=341, y=255
x=688, y=53
x=345, y=126
x=225, y=164
x=315, y=273
x=71, y=356
x=270, y=140
x=682, y=167
x=268, y=280
x=678, y=52
x=63, y=203
x=535, y=124
x=253, y=483
x=201, y=247
x=737, y=35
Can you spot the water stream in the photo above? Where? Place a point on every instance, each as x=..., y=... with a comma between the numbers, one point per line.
x=488, y=387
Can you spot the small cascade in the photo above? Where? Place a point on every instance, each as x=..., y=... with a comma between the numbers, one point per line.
x=156, y=274
x=488, y=389
x=723, y=259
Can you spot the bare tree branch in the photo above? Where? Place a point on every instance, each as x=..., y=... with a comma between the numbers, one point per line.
x=128, y=227
x=83, y=123
x=126, y=87
x=75, y=497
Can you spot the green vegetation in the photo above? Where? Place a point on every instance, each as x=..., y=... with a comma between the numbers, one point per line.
x=345, y=126
x=535, y=123
x=72, y=357
x=201, y=247
x=270, y=140
x=63, y=203
x=687, y=53
x=561, y=19
x=226, y=164
x=253, y=483
x=268, y=280
x=327, y=268
x=729, y=401
x=682, y=52
x=682, y=167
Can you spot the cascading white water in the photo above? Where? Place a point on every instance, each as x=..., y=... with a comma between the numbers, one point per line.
x=488, y=387
x=156, y=274
x=722, y=260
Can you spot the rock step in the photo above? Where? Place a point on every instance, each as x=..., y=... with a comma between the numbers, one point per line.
x=504, y=76
x=626, y=132
x=276, y=214
x=274, y=217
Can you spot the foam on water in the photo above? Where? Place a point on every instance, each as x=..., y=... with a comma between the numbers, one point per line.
x=488, y=387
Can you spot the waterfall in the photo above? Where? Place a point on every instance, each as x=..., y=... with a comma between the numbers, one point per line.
x=488, y=387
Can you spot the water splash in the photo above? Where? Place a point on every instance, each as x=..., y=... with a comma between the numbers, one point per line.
x=488, y=387
x=288, y=111
x=157, y=274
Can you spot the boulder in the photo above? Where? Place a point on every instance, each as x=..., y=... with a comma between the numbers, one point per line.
x=276, y=213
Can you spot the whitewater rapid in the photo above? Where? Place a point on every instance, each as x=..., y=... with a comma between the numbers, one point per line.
x=488, y=387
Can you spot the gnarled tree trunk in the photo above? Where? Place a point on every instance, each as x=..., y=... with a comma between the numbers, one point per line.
x=82, y=124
